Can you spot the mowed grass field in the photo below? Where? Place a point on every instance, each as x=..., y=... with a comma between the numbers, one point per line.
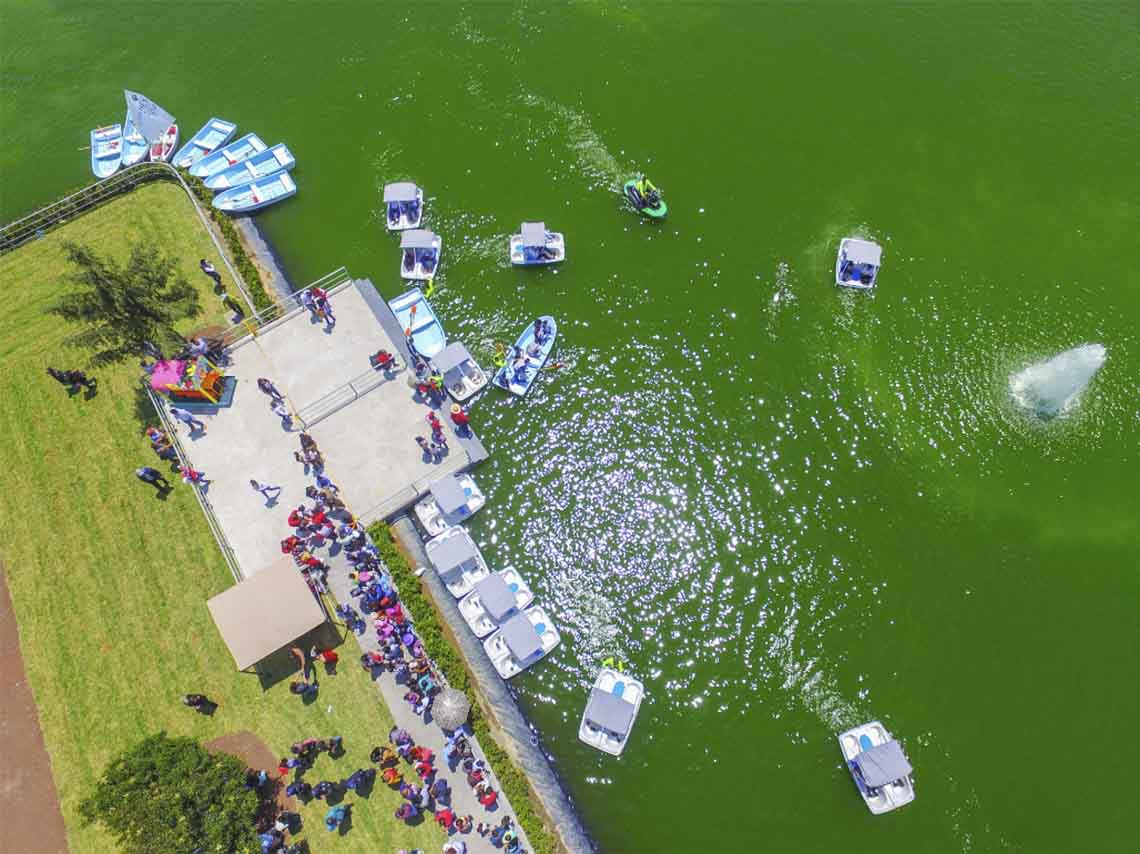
x=110, y=584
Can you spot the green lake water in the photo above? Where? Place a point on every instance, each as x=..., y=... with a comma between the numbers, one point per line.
x=789, y=515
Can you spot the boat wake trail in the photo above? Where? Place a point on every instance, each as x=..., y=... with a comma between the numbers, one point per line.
x=590, y=155
x=1053, y=387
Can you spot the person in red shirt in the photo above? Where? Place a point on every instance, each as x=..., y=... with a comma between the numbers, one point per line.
x=487, y=796
x=458, y=416
x=445, y=817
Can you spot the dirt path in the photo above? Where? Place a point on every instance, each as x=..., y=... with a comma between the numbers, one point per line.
x=255, y=753
x=32, y=819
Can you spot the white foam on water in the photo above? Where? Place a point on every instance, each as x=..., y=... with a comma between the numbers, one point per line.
x=1054, y=387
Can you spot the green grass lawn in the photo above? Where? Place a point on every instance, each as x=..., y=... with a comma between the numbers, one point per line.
x=109, y=584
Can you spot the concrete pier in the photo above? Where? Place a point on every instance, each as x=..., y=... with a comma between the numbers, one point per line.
x=364, y=422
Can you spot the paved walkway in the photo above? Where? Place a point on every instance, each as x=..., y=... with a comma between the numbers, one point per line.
x=463, y=800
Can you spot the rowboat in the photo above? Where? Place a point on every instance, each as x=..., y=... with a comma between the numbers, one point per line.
x=495, y=599
x=106, y=150
x=878, y=766
x=610, y=712
x=420, y=253
x=528, y=356
x=135, y=147
x=857, y=263
x=450, y=501
x=163, y=147
x=404, y=206
x=214, y=133
x=534, y=246
x=421, y=327
x=523, y=640
x=256, y=194
x=231, y=155
x=275, y=159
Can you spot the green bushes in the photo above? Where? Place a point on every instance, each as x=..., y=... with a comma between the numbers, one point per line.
x=512, y=781
x=242, y=262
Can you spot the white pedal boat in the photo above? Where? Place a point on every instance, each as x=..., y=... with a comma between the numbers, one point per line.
x=420, y=251
x=878, y=766
x=403, y=206
x=524, y=640
x=534, y=246
x=462, y=376
x=495, y=599
x=457, y=560
x=857, y=263
x=611, y=711
x=451, y=500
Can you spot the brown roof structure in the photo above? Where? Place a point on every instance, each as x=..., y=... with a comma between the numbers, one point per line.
x=266, y=611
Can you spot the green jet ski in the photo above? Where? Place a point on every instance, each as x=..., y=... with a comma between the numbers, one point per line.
x=645, y=198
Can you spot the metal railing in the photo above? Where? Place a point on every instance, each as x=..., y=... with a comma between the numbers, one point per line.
x=338, y=398
x=35, y=225
x=260, y=321
x=207, y=510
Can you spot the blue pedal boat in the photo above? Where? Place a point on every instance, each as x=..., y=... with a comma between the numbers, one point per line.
x=106, y=150
x=256, y=194
x=421, y=327
x=213, y=134
x=275, y=159
x=527, y=357
x=231, y=155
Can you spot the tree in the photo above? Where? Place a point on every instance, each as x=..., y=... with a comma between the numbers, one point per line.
x=123, y=306
x=169, y=794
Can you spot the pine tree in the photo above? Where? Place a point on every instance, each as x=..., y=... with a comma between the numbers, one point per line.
x=169, y=794
x=122, y=306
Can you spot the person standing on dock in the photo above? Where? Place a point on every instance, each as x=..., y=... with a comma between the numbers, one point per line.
x=269, y=388
x=265, y=489
x=187, y=418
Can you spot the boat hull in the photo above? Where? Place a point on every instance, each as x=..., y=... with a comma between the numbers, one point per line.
x=435, y=522
x=415, y=315
x=852, y=284
x=657, y=212
x=162, y=149
x=403, y=223
x=135, y=146
x=256, y=194
x=519, y=383
x=632, y=692
x=504, y=663
x=884, y=798
x=231, y=155
x=263, y=165
x=106, y=150
x=211, y=136
x=518, y=254
x=475, y=614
